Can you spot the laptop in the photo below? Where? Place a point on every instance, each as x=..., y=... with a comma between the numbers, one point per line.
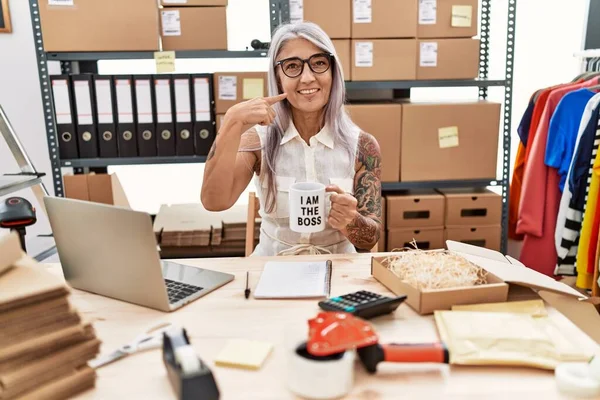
x=112, y=251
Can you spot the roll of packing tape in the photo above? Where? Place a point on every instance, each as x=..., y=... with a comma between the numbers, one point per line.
x=595, y=368
x=576, y=379
x=187, y=359
x=320, y=377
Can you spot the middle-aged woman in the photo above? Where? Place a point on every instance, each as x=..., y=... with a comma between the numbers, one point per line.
x=301, y=133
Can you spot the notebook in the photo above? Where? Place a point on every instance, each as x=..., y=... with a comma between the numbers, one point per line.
x=293, y=280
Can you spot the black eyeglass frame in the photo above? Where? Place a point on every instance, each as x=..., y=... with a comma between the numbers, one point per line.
x=306, y=61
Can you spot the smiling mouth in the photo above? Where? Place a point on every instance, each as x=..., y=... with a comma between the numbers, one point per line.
x=308, y=91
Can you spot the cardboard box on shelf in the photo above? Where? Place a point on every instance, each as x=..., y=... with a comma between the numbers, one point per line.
x=186, y=28
x=384, y=59
x=99, y=188
x=481, y=236
x=232, y=88
x=125, y=25
x=447, y=19
x=383, y=121
x=447, y=141
x=447, y=59
x=382, y=19
x=333, y=16
x=219, y=121
x=426, y=238
x=192, y=3
x=424, y=208
x=382, y=244
x=503, y=271
x=342, y=48
x=472, y=207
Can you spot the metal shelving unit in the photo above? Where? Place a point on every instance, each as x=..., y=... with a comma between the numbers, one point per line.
x=278, y=13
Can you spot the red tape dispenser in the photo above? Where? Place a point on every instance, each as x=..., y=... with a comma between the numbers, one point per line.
x=334, y=332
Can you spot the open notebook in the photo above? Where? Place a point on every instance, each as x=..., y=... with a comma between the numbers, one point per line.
x=292, y=280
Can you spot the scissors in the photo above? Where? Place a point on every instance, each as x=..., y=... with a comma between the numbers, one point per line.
x=150, y=339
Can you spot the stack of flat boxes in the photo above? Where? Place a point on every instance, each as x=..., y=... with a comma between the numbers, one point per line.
x=193, y=24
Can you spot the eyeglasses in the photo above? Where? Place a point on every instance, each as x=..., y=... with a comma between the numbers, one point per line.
x=293, y=67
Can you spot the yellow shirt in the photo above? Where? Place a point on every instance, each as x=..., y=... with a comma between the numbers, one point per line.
x=585, y=279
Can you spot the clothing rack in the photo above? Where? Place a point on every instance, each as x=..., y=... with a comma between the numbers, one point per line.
x=279, y=11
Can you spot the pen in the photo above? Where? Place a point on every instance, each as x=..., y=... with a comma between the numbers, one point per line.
x=247, y=291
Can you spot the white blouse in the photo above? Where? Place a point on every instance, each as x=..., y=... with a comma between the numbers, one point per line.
x=297, y=161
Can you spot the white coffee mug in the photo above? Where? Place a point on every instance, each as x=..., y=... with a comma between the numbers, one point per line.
x=307, y=207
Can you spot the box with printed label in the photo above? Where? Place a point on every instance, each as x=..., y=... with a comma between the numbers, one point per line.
x=447, y=141
x=380, y=19
x=472, y=207
x=383, y=121
x=422, y=208
x=192, y=3
x=481, y=236
x=342, y=48
x=232, y=88
x=384, y=59
x=426, y=238
x=447, y=59
x=188, y=28
x=447, y=18
x=73, y=25
x=333, y=16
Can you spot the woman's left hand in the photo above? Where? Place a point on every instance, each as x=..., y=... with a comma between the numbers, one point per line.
x=343, y=208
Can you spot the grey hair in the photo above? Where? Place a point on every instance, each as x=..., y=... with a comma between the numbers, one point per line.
x=335, y=116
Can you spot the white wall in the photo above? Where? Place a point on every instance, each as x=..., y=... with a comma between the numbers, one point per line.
x=545, y=43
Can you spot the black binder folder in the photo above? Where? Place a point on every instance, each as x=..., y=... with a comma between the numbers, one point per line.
x=203, y=115
x=184, y=125
x=64, y=116
x=105, y=116
x=87, y=137
x=165, y=127
x=125, y=116
x=145, y=115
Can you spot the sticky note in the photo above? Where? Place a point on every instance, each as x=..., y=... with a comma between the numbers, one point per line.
x=242, y=353
x=462, y=16
x=253, y=88
x=448, y=137
x=165, y=61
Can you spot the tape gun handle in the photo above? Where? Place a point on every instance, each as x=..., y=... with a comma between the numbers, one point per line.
x=416, y=353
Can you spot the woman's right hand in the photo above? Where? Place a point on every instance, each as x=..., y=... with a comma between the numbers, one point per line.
x=258, y=111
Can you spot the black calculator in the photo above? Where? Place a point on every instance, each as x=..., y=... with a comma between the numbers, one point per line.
x=362, y=304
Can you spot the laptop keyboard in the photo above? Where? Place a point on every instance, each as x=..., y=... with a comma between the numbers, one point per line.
x=178, y=291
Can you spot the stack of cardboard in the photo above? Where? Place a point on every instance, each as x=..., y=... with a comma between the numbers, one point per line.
x=182, y=225
x=44, y=344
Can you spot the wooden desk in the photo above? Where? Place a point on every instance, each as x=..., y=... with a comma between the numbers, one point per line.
x=224, y=314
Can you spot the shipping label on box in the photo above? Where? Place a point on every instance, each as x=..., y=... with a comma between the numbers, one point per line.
x=171, y=23
x=296, y=10
x=363, y=54
x=428, y=54
x=227, y=88
x=362, y=12
x=427, y=12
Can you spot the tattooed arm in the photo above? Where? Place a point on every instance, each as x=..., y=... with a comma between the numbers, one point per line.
x=359, y=217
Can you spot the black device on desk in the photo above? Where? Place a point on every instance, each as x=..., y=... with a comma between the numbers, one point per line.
x=362, y=304
x=16, y=213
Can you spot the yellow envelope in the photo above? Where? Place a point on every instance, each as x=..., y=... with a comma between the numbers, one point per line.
x=535, y=308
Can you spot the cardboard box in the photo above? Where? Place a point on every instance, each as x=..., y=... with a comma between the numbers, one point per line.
x=415, y=209
x=451, y=18
x=384, y=122
x=384, y=59
x=382, y=243
x=449, y=141
x=232, y=88
x=428, y=238
x=99, y=188
x=503, y=271
x=124, y=25
x=333, y=16
x=481, y=236
x=385, y=19
x=342, y=48
x=219, y=121
x=187, y=28
x=192, y=3
x=447, y=59
x=472, y=207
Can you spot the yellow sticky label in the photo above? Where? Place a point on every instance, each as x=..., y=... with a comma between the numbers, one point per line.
x=253, y=88
x=165, y=61
x=462, y=16
x=448, y=137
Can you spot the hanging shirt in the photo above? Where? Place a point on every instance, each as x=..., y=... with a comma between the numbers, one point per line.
x=523, y=128
x=540, y=197
x=562, y=133
x=568, y=224
x=297, y=161
x=593, y=242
